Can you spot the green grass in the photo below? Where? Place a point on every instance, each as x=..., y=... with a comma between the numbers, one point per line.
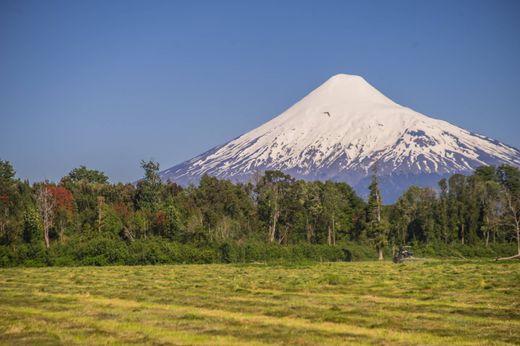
x=421, y=302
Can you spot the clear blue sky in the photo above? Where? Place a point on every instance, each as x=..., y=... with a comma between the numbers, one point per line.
x=108, y=83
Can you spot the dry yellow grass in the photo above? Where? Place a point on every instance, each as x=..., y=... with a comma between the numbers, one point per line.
x=429, y=302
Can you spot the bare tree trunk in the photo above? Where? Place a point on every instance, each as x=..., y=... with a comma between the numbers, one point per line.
x=517, y=256
x=4, y=220
x=128, y=234
x=100, y=204
x=62, y=232
x=308, y=228
x=45, y=202
x=329, y=235
x=486, y=219
x=310, y=233
x=284, y=236
x=333, y=231
x=379, y=203
x=516, y=218
x=462, y=233
x=46, y=237
x=518, y=237
x=380, y=253
x=272, y=229
x=3, y=225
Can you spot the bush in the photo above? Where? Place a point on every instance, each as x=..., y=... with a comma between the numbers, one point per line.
x=106, y=249
x=101, y=251
x=159, y=251
x=478, y=250
x=362, y=252
x=261, y=252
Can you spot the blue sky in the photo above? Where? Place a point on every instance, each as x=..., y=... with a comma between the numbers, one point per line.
x=108, y=83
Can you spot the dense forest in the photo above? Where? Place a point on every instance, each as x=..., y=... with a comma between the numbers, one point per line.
x=85, y=220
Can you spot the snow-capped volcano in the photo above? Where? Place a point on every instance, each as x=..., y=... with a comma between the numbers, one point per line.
x=338, y=132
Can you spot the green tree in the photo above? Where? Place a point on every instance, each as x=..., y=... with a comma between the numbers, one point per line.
x=509, y=179
x=32, y=226
x=456, y=207
x=7, y=197
x=7, y=176
x=331, y=202
x=85, y=175
x=173, y=227
x=110, y=223
x=378, y=229
x=314, y=209
x=141, y=223
x=442, y=211
x=492, y=209
x=149, y=188
x=272, y=189
x=403, y=214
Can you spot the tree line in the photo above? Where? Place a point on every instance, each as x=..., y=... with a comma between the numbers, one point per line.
x=85, y=216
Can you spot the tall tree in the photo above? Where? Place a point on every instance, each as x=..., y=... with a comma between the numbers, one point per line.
x=492, y=209
x=314, y=209
x=7, y=195
x=63, y=212
x=46, y=206
x=377, y=228
x=271, y=190
x=173, y=226
x=509, y=178
x=331, y=201
x=149, y=188
x=442, y=211
x=456, y=202
x=32, y=228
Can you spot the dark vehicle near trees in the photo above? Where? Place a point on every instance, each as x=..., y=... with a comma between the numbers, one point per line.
x=402, y=254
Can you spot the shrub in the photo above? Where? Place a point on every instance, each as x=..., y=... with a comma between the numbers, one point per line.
x=107, y=249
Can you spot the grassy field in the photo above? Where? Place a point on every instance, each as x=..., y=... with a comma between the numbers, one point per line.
x=423, y=302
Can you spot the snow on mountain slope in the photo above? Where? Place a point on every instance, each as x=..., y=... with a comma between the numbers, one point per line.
x=338, y=132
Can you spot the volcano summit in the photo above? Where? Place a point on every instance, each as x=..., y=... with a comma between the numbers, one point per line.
x=339, y=132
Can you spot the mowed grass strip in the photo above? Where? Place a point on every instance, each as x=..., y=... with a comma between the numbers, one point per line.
x=423, y=302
